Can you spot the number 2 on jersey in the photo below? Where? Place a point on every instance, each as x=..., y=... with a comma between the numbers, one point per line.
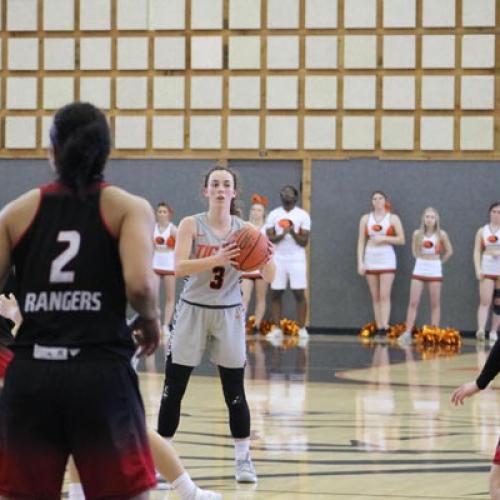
x=57, y=275
x=217, y=278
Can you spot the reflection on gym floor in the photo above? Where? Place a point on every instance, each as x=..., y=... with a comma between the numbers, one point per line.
x=333, y=418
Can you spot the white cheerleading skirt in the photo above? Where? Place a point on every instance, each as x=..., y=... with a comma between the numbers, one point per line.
x=380, y=259
x=428, y=270
x=163, y=263
x=490, y=266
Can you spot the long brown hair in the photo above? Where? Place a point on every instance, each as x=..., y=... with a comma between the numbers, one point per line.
x=235, y=208
x=421, y=230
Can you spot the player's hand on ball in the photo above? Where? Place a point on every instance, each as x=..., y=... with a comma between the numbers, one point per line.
x=227, y=254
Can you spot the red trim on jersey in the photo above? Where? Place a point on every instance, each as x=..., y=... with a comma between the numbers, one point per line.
x=162, y=272
x=489, y=277
x=54, y=187
x=252, y=277
x=6, y=356
x=426, y=278
x=380, y=271
x=102, y=186
x=496, y=457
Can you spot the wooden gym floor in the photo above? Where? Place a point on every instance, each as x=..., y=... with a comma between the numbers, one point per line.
x=335, y=419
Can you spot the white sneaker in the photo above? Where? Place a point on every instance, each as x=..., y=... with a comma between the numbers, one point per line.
x=276, y=333
x=405, y=338
x=480, y=335
x=200, y=494
x=493, y=336
x=303, y=333
x=303, y=341
x=245, y=471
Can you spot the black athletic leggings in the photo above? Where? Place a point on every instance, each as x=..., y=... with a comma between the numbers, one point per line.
x=176, y=380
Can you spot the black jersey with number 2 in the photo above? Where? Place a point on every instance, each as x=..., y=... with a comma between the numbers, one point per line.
x=69, y=275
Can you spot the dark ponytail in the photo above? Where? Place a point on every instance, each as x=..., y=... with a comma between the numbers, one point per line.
x=234, y=208
x=81, y=141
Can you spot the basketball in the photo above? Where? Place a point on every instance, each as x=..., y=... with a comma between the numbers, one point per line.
x=253, y=246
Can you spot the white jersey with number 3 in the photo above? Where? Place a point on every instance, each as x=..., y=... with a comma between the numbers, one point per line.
x=219, y=286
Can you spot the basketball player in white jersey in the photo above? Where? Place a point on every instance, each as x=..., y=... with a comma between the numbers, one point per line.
x=428, y=242
x=210, y=313
x=487, y=267
x=288, y=227
x=163, y=259
x=379, y=230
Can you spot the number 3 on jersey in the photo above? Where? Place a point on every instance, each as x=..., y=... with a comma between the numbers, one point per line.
x=217, y=278
x=57, y=275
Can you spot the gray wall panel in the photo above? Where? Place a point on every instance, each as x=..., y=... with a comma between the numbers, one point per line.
x=179, y=182
x=462, y=193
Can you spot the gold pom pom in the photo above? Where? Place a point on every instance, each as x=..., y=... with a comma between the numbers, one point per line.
x=368, y=330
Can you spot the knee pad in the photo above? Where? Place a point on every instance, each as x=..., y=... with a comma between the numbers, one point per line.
x=496, y=293
x=176, y=380
x=232, y=385
x=496, y=308
x=234, y=395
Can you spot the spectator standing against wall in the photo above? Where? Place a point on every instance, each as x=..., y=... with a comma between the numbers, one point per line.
x=288, y=228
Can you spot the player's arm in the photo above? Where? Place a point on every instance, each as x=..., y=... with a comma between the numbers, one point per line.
x=15, y=218
x=141, y=285
x=488, y=373
x=136, y=253
x=5, y=248
x=184, y=266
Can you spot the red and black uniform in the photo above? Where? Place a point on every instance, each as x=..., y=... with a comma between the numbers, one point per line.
x=6, y=326
x=70, y=388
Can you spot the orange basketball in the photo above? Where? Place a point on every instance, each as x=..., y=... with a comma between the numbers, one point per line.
x=253, y=248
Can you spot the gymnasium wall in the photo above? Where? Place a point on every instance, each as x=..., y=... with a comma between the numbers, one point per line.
x=460, y=191
x=341, y=190
x=178, y=182
x=256, y=78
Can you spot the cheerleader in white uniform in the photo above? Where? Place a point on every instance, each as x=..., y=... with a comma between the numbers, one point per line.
x=253, y=279
x=428, y=242
x=487, y=267
x=163, y=260
x=378, y=232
